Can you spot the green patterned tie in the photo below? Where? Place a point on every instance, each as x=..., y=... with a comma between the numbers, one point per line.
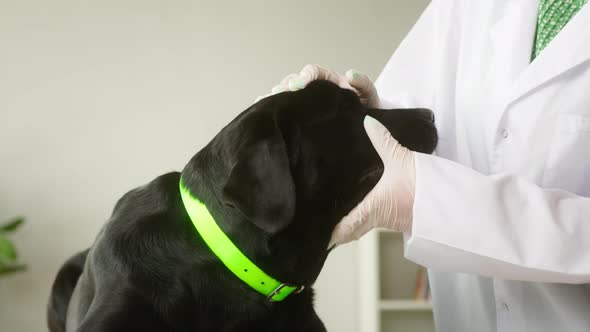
x=553, y=16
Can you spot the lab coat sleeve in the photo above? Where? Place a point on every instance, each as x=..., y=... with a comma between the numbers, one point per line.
x=501, y=226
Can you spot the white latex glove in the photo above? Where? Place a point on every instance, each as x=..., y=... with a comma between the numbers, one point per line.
x=352, y=80
x=390, y=203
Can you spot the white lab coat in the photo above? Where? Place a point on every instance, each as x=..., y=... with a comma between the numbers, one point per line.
x=502, y=216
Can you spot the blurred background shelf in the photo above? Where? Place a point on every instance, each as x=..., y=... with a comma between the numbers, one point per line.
x=405, y=305
x=391, y=287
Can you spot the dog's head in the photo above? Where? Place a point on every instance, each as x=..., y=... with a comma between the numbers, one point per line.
x=285, y=171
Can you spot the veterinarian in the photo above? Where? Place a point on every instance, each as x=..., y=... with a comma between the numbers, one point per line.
x=502, y=214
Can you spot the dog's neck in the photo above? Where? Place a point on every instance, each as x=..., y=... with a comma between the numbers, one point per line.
x=287, y=256
x=229, y=254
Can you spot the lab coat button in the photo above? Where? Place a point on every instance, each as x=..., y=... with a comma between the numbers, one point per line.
x=505, y=133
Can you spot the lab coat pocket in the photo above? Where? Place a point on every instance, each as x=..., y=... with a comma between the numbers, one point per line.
x=568, y=162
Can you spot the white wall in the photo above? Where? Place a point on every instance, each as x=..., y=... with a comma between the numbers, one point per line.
x=97, y=97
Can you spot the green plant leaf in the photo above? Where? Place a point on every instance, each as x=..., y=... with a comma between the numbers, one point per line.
x=12, y=225
x=7, y=251
x=12, y=268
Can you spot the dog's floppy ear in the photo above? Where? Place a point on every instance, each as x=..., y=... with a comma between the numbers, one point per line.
x=260, y=183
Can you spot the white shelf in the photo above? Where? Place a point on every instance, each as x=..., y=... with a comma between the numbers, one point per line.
x=388, y=231
x=388, y=286
x=404, y=305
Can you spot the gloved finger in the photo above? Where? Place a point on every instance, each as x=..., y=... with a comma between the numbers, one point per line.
x=291, y=82
x=381, y=138
x=360, y=219
x=284, y=84
x=285, y=81
x=354, y=225
x=306, y=75
x=276, y=89
x=279, y=88
x=314, y=72
x=309, y=73
x=364, y=86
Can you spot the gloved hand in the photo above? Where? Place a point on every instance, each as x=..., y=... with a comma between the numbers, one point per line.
x=352, y=80
x=390, y=203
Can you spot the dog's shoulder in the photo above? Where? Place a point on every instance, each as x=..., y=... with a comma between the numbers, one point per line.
x=139, y=257
x=147, y=227
x=150, y=198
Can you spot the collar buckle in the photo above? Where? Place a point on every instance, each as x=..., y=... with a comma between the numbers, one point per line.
x=277, y=290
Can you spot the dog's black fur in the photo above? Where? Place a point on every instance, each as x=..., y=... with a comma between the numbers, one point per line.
x=277, y=180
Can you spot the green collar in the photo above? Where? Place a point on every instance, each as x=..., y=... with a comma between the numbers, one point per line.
x=230, y=255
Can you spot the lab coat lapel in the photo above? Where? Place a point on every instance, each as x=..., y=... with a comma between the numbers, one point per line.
x=511, y=34
x=512, y=26
x=567, y=50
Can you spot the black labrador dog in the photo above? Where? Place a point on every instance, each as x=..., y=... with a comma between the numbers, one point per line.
x=276, y=181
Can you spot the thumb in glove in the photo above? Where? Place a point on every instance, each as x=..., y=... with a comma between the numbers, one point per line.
x=389, y=204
